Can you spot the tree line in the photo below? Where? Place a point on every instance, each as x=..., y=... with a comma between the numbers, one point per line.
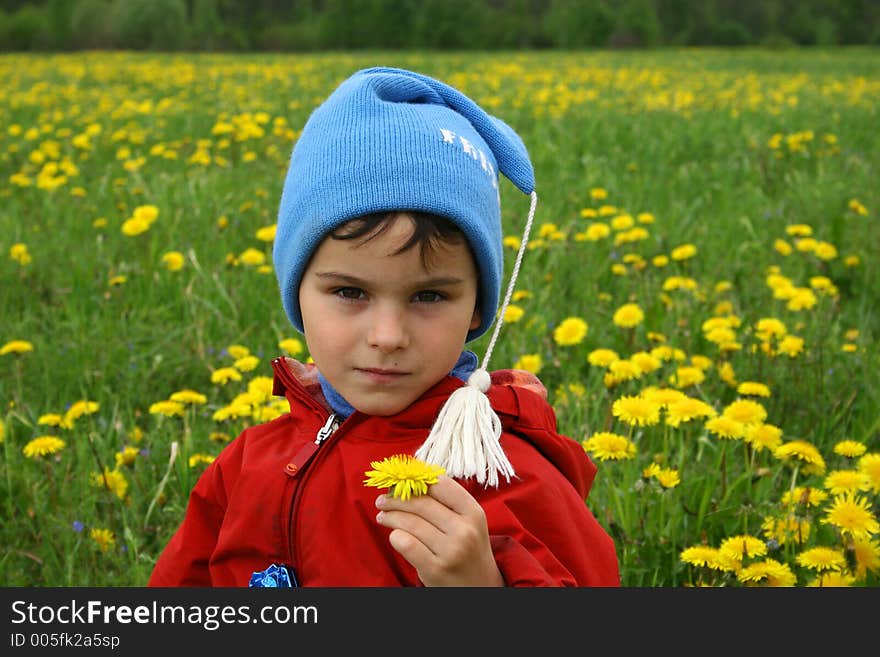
x=310, y=25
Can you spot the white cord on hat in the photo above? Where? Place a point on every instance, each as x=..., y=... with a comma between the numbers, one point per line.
x=465, y=438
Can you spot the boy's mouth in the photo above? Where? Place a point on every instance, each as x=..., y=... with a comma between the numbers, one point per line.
x=380, y=375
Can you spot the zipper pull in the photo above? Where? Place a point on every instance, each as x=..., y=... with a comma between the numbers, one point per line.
x=305, y=454
x=329, y=427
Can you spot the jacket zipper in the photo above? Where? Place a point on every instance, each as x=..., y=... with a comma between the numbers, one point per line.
x=307, y=451
x=293, y=469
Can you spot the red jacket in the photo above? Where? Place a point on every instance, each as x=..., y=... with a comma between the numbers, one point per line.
x=272, y=497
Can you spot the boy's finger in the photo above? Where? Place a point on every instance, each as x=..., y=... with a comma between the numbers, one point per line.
x=453, y=495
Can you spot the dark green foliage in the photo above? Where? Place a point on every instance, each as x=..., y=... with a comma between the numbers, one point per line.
x=467, y=25
x=150, y=24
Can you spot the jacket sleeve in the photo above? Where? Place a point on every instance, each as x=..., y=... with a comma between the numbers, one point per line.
x=542, y=533
x=186, y=558
x=541, y=529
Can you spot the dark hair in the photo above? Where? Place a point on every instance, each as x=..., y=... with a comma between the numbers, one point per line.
x=429, y=231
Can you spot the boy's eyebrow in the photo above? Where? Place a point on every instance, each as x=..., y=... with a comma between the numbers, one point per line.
x=440, y=281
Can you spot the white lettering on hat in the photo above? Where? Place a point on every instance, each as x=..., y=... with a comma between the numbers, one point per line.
x=468, y=147
x=475, y=153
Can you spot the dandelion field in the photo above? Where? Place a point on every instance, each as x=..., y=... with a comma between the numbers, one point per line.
x=698, y=295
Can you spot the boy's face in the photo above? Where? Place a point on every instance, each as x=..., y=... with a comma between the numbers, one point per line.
x=384, y=328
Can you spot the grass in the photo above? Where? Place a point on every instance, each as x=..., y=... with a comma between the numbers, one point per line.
x=729, y=152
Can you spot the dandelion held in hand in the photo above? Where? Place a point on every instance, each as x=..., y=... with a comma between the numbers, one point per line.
x=405, y=476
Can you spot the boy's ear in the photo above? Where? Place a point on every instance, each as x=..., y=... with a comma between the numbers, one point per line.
x=476, y=319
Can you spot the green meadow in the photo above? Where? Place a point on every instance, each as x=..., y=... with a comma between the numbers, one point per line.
x=698, y=295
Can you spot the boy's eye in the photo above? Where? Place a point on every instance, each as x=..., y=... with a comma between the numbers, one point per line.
x=428, y=296
x=349, y=292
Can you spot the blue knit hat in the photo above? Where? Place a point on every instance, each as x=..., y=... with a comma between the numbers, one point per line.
x=389, y=139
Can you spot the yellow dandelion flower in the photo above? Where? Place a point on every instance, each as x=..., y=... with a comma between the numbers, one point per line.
x=686, y=409
x=806, y=496
x=663, y=396
x=668, y=477
x=529, y=362
x=799, y=230
x=252, y=257
x=745, y=411
x=602, y=357
x=147, y=213
x=725, y=427
x=570, y=331
x=870, y=465
x=173, y=260
x=596, y=231
x=42, y=446
x=246, y=364
x=833, y=579
x=699, y=555
x=51, y=420
x=852, y=515
x=846, y=481
x=606, y=446
x=117, y=280
x=683, y=252
x=233, y=410
x=237, y=351
x=726, y=373
x=405, y=476
x=636, y=411
x=687, y=376
x=133, y=227
x=742, y=546
x=16, y=347
x=660, y=261
x=753, y=389
x=645, y=362
x=78, y=409
x=168, y=408
x=791, y=346
x=197, y=459
x=629, y=315
x=224, y=375
x=867, y=554
x=857, y=207
x=219, y=437
x=763, y=436
x=821, y=559
x=720, y=335
x=768, y=328
x=19, y=252
x=769, y=572
x=260, y=389
x=624, y=370
x=804, y=452
x=266, y=233
x=291, y=346
x=850, y=448
x=112, y=480
x=126, y=456
x=103, y=538
x=187, y=396
x=513, y=313
x=2, y=431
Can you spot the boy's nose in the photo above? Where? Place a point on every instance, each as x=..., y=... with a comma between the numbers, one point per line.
x=387, y=331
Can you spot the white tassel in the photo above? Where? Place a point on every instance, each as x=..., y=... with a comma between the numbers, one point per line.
x=466, y=436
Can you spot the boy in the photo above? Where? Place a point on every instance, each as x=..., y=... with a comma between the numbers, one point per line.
x=389, y=259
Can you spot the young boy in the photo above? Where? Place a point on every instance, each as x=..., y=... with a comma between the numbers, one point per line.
x=389, y=260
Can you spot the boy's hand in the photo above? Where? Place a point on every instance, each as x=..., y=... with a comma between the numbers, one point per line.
x=443, y=535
